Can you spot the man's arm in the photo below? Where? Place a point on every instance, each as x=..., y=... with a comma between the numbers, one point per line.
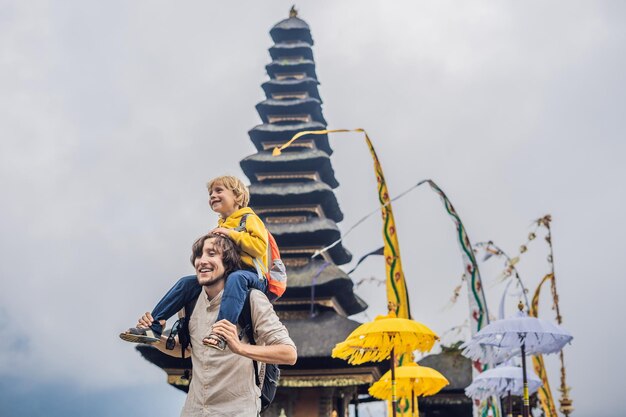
x=273, y=342
x=279, y=354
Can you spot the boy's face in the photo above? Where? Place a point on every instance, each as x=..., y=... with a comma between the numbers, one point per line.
x=222, y=200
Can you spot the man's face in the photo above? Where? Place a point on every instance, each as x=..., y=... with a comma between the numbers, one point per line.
x=209, y=266
x=222, y=200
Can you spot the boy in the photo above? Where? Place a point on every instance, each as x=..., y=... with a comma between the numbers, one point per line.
x=228, y=197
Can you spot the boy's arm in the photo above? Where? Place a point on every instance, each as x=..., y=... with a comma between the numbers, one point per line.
x=252, y=240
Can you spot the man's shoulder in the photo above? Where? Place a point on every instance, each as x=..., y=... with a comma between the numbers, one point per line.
x=258, y=298
x=268, y=328
x=261, y=308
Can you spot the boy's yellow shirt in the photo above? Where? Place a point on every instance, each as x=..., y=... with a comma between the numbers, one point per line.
x=251, y=242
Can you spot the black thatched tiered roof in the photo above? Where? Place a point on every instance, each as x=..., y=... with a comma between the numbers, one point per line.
x=292, y=29
x=288, y=50
x=292, y=87
x=308, y=107
x=296, y=194
x=261, y=165
x=268, y=136
x=283, y=67
x=322, y=280
x=451, y=401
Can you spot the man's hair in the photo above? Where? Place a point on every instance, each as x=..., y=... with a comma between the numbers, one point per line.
x=224, y=246
x=234, y=184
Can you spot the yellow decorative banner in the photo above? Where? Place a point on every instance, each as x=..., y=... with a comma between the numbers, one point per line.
x=397, y=296
x=545, y=392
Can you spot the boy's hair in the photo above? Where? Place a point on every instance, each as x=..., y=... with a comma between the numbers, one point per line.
x=234, y=184
x=224, y=246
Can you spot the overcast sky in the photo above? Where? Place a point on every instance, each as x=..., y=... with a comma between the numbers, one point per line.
x=113, y=115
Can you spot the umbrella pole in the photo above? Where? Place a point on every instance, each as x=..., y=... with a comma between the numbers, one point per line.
x=526, y=401
x=417, y=407
x=394, y=402
x=413, y=401
x=510, y=404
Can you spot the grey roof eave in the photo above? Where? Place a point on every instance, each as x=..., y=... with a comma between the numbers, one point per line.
x=302, y=156
x=270, y=102
x=454, y=366
x=292, y=82
x=291, y=45
x=290, y=63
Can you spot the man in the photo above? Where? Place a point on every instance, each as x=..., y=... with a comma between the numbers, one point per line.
x=223, y=382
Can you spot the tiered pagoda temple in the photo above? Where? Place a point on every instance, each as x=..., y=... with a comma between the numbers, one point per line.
x=293, y=194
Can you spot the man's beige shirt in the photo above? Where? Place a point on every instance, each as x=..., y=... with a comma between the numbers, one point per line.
x=223, y=383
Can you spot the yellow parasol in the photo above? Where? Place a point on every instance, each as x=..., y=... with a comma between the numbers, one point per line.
x=385, y=337
x=375, y=340
x=412, y=381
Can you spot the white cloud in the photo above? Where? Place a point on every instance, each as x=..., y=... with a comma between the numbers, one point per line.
x=113, y=116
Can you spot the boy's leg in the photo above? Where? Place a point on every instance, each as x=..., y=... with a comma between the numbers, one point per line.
x=234, y=296
x=235, y=289
x=184, y=291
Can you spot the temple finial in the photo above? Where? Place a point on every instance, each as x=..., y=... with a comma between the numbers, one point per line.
x=293, y=12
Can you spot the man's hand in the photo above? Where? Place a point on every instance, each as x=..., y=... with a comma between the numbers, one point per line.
x=222, y=231
x=145, y=321
x=228, y=331
x=279, y=354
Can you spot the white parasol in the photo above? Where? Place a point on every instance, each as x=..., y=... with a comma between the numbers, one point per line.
x=523, y=335
x=501, y=381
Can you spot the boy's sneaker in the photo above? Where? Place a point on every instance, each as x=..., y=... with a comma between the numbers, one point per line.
x=219, y=342
x=140, y=335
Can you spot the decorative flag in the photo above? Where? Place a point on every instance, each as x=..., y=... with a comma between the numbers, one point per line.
x=479, y=315
x=545, y=392
x=379, y=251
x=397, y=296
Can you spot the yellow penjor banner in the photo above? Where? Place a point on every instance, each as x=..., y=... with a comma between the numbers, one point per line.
x=544, y=393
x=397, y=296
